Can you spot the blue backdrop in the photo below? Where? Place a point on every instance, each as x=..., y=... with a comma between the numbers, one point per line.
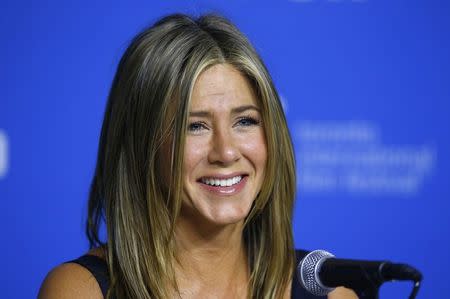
x=365, y=86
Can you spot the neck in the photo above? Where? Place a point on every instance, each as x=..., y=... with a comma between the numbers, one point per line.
x=210, y=258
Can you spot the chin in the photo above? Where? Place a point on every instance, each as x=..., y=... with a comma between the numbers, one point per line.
x=228, y=219
x=219, y=214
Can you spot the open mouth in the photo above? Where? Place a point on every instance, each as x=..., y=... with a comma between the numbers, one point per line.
x=216, y=182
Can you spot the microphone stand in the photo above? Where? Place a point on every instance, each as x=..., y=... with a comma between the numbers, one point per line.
x=368, y=283
x=371, y=292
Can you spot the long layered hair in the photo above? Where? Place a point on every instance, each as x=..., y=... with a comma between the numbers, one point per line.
x=147, y=108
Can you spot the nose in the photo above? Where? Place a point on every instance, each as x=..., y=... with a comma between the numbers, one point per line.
x=223, y=148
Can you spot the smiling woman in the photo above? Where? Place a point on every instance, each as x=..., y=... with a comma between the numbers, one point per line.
x=195, y=175
x=225, y=150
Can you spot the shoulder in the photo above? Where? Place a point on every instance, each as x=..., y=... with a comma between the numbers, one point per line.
x=70, y=281
x=342, y=293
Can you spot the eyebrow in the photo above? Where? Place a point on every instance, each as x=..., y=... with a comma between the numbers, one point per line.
x=237, y=110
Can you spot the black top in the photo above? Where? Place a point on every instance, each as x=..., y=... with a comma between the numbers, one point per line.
x=97, y=266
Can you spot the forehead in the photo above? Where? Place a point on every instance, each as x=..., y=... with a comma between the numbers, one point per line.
x=221, y=86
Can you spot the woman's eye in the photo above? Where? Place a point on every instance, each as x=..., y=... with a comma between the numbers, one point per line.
x=247, y=121
x=195, y=127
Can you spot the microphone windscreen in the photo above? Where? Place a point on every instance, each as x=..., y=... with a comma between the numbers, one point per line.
x=308, y=275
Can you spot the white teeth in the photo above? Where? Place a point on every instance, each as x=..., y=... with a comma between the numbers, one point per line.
x=223, y=183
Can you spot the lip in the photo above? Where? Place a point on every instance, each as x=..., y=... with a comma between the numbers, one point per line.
x=223, y=176
x=225, y=190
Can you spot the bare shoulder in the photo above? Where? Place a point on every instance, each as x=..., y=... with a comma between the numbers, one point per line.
x=338, y=293
x=342, y=293
x=70, y=281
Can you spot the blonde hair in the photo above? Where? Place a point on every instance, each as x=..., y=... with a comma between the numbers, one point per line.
x=148, y=107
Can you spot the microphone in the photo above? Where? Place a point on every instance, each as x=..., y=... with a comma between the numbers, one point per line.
x=319, y=272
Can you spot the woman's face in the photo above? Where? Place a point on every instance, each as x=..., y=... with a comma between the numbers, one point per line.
x=225, y=152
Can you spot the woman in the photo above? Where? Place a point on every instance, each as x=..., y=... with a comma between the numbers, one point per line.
x=195, y=174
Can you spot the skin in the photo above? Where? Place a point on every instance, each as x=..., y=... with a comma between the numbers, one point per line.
x=223, y=139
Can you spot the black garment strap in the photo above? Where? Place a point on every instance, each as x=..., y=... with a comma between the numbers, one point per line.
x=99, y=269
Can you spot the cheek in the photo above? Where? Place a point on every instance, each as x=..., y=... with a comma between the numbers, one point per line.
x=255, y=148
x=194, y=152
